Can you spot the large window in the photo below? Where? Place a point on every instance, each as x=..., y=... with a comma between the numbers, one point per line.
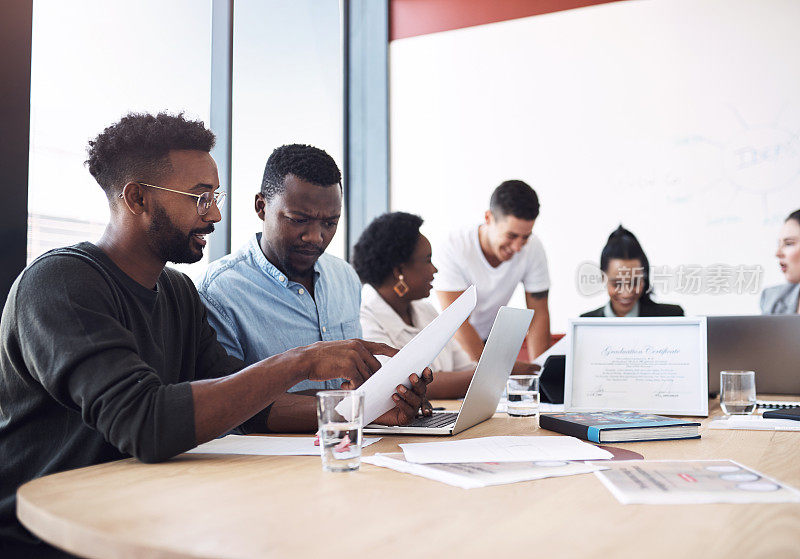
x=287, y=88
x=92, y=62
x=95, y=61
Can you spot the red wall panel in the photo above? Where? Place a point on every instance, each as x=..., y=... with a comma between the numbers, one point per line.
x=409, y=18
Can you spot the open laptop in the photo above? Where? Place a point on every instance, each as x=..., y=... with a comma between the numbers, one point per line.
x=766, y=344
x=498, y=358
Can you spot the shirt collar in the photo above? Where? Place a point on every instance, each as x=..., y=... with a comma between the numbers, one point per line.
x=384, y=313
x=608, y=312
x=269, y=268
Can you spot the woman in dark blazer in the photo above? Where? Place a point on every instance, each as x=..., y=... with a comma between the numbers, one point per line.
x=785, y=299
x=627, y=273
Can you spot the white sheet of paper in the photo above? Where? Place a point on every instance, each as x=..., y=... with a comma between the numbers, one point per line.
x=673, y=482
x=755, y=423
x=266, y=446
x=558, y=348
x=651, y=365
x=473, y=475
x=413, y=358
x=503, y=449
x=544, y=407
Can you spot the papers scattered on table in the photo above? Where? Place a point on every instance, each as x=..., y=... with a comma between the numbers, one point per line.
x=266, y=446
x=503, y=449
x=755, y=423
x=656, y=482
x=472, y=475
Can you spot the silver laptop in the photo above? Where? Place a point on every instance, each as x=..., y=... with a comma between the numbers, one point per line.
x=766, y=344
x=498, y=358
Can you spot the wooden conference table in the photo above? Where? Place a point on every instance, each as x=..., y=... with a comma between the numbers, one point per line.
x=285, y=506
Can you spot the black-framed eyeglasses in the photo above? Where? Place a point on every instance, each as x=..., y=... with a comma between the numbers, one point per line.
x=204, y=200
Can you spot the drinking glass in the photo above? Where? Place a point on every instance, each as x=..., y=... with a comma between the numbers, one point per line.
x=523, y=395
x=737, y=392
x=340, y=414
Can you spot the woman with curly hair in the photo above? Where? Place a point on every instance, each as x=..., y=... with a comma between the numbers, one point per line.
x=393, y=260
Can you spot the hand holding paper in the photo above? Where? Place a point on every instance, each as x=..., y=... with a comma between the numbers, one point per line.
x=414, y=357
x=409, y=401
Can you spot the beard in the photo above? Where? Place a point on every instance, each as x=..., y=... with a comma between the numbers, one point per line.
x=171, y=244
x=281, y=257
x=297, y=271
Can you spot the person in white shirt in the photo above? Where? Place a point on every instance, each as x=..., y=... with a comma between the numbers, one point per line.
x=393, y=260
x=496, y=256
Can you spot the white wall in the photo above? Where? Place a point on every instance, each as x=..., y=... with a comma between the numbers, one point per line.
x=677, y=118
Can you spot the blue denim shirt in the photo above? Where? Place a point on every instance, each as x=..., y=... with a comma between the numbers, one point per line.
x=257, y=312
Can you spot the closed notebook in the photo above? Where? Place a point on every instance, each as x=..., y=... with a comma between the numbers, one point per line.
x=793, y=413
x=619, y=426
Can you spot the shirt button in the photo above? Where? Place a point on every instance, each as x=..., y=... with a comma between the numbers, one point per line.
x=301, y=291
x=281, y=278
x=324, y=330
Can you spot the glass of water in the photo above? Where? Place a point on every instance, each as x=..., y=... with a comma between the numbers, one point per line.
x=737, y=394
x=523, y=395
x=340, y=414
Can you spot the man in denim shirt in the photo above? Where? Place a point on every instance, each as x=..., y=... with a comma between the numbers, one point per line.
x=281, y=291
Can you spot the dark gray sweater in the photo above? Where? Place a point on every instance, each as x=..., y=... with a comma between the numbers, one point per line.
x=95, y=367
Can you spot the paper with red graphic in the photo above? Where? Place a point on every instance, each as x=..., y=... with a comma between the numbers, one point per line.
x=656, y=482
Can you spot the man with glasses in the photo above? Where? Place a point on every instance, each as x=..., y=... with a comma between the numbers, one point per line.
x=105, y=353
x=281, y=290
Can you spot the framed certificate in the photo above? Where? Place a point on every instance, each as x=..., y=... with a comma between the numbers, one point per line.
x=653, y=365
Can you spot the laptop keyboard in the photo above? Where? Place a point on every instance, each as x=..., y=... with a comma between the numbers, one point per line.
x=435, y=420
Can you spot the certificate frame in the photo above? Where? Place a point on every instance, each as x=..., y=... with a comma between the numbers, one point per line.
x=585, y=383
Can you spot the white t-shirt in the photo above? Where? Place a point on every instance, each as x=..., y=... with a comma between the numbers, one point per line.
x=380, y=323
x=461, y=263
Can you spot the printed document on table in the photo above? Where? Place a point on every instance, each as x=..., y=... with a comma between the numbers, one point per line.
x=666, y=482
x=503, y=449
x=266, y=446
x=755, y=423
x=476, y=474
x=412, y=358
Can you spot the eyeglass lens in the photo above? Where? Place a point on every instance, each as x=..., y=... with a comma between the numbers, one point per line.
x=206, y=199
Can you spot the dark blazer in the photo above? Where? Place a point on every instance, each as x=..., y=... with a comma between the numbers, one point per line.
x=646, y=308
x=780, y=299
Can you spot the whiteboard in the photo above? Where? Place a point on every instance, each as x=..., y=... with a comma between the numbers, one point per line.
x=677, y=118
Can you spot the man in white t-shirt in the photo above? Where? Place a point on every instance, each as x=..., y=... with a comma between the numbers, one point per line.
x=496, y=256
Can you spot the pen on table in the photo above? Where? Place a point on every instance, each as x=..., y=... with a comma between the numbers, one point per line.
x=438, y=408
